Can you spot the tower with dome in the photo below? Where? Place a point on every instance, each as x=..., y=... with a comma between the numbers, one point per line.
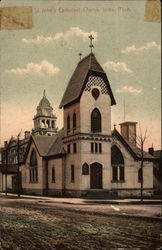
x=44, y=120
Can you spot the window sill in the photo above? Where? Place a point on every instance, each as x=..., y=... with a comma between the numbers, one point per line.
x=114, y=181
x=33, y=182
x=121, y=181
x=118, y=181
x=96, y=153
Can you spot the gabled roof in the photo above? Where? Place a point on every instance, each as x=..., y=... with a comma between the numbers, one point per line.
x=43, y=143
x=47, y=145
x=57, y=146
x=133, y=149
x=86, y=67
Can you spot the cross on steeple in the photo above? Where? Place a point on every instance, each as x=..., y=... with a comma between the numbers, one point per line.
x=91, y=45
x=80, y=55
x=44, y=93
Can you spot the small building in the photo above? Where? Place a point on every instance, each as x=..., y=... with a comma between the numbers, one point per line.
x=157, y=172
x=9, y=162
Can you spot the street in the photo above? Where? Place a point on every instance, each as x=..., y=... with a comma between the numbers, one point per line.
x=53, y=223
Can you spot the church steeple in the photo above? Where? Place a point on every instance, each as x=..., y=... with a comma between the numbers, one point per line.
x=87, y=124
x=44, y=120
x=87, y=66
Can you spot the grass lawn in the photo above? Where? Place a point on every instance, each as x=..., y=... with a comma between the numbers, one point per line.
x=36, y=226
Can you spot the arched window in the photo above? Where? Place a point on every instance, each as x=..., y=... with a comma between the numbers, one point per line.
x=85, y=169
x=68, y=123
x=74, y=120
x=95, y=121
x=33, y=159
x=33, y=167
x=117, y=163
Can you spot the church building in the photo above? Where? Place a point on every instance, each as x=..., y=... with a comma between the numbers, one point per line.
x=85, y=158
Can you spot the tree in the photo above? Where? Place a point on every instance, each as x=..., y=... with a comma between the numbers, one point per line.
x=140, y=140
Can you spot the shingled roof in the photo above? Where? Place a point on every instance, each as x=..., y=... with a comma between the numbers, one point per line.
x=47, y=146
x=86, y=67
x=43, y=143
x=57, y=146
x=133, y=149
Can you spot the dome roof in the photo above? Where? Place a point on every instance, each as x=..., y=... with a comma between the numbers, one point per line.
x=44, y=103
x=44, y=109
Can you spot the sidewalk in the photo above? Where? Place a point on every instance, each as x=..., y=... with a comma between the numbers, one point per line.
x=82, y=201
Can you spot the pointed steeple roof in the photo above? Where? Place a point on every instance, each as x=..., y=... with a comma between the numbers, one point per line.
x=86, y=67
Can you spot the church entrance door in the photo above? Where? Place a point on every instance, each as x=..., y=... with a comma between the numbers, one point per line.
x=96, y=176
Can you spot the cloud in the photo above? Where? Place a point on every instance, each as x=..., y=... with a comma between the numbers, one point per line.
x=61, y=37
x=117, y=66
x=43, y=68
x=129, y=89
x=147, y=46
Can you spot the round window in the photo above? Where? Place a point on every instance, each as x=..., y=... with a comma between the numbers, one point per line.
x=95, y=93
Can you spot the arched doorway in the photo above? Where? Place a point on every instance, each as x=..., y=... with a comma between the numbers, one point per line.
x=96, y=176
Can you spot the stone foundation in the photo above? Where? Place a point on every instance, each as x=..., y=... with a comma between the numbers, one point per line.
x=55, y=193
x=132, y=193
x=104, y=194
x=32, y=191
x=75, y=193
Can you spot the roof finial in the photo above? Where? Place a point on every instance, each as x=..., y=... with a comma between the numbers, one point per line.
x=80, y=55
x=91, y=45
x=44, y=93
x=114, y=126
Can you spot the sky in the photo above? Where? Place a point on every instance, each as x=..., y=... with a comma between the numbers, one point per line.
x=44, y=57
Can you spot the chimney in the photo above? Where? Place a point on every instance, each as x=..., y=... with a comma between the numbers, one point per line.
x=5, y=143
x=151, y=151
x=128, y=131
x=26, y=134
